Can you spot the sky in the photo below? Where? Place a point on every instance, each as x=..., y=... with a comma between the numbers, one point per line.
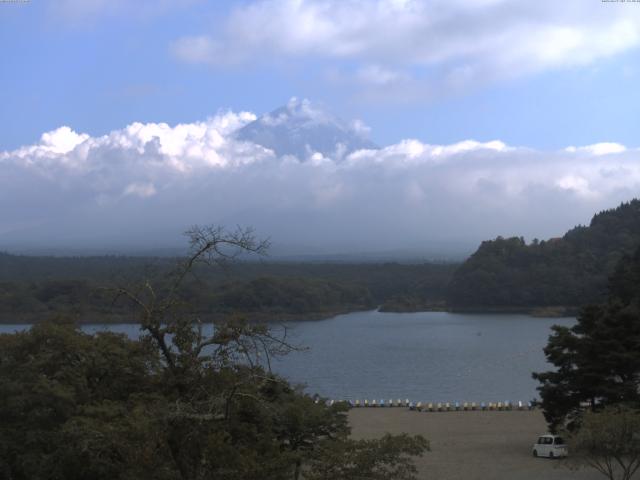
x=494, y=117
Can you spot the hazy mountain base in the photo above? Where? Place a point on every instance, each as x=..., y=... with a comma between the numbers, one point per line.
x=544, y=278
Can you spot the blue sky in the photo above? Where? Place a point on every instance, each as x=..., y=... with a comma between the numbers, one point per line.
x=497, y=117
x=103, y=65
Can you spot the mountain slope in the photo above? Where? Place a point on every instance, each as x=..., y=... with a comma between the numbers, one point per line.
x=301, y=129
x=570, y=271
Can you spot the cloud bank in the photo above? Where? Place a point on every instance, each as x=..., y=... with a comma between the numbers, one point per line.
x=419, y=44
x=144, y=184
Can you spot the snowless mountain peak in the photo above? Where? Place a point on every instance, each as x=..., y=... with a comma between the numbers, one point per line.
x=303, y=129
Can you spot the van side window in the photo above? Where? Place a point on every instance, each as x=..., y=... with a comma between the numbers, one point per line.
x=548, y=441
x=559, y=441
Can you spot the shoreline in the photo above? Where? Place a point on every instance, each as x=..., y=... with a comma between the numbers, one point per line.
x=557, y=311
x=110, y=319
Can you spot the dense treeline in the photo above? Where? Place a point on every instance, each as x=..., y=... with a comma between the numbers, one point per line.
x=265, y=296
x=284, y=295
x=33, y=288
x=570, y=271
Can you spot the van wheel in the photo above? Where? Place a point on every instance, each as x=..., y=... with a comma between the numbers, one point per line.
x=550, y=454
x=535, y=453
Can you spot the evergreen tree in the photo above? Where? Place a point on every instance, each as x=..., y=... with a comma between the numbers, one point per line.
x=598, y=359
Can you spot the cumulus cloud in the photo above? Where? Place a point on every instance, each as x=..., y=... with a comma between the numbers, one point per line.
x=148, y=182
x=451, y=43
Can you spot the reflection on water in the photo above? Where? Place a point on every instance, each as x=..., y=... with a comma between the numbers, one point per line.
x=429, y=356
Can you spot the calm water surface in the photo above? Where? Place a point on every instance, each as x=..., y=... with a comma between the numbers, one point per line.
x=428, y=356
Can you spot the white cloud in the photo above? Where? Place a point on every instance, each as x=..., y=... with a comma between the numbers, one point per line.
x=454, y=43
x=360, y=128
x=379, y=76
x=142, y=190
x=603, y=148
x=61, y=140
x=160, y=178
x=575, y=183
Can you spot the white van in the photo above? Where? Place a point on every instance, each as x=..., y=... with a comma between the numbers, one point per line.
x=551, y=446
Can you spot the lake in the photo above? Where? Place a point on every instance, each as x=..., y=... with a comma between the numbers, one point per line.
x=426, y=356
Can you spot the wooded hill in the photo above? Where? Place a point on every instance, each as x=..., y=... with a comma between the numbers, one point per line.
x=567, y=272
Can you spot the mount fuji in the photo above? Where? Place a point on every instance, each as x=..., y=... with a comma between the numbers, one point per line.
x=303, y=129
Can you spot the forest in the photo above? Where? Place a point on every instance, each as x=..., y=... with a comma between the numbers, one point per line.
x=565, y=273
x=36, y=288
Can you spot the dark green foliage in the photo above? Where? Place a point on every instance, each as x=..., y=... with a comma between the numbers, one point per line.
x=64, y=396
x=571, y=271
x=35, y=288
x=176, y=404
x=290, y=295
x=76, y=406
x=598, y=359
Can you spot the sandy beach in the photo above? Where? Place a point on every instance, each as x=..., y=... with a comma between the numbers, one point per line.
x=474, y=445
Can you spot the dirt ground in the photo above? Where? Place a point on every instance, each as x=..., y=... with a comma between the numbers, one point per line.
x=475, y=445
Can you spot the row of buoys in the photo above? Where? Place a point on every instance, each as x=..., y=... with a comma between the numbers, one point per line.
x=381, y=403
x=468, y=406
x=439, y=406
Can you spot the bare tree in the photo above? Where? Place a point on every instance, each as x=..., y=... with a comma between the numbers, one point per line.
x=608, y=441
x=178, y=333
